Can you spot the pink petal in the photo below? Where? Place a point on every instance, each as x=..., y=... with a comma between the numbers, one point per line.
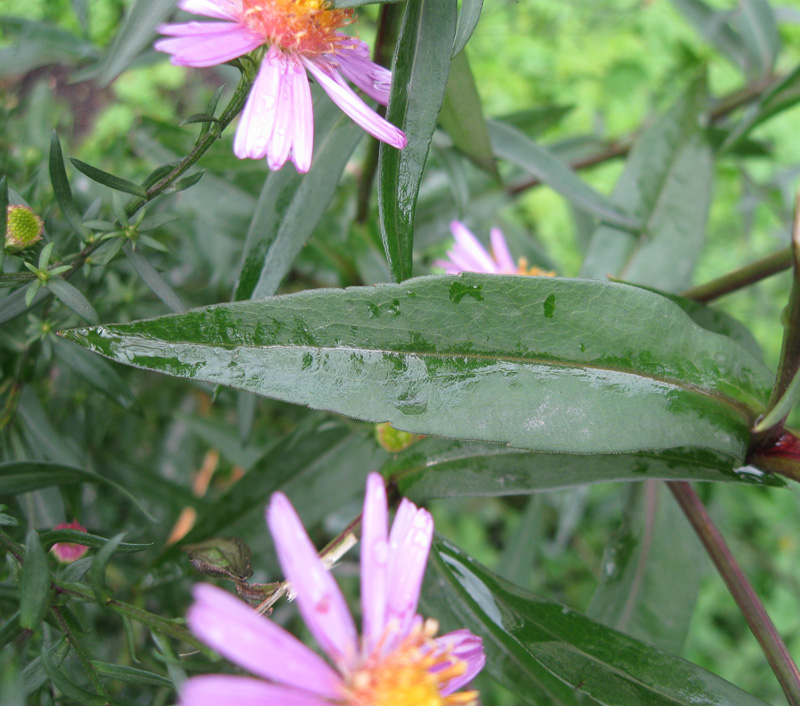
x=222, y=9
x=302, y=107
x=280, y=144
x=254, y=642
x=468, y=647
x=470, y=249
x=502, y=255
x=448, y=267
x=254, y=132
x=190, y=46
x=356, y=67
x=409, y=549
x=353, y=106
x=374, y=560
x=219, y=689
x=321, y=603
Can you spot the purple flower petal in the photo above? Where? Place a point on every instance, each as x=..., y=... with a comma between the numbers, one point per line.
x=222, y=9
x=280, y=143
x=470, y=249
x=448, y=267
x=502, y=255
x=254, y=642
x=191, y=45
x=353, y=106
x=218, y=689
x=321, y=603
x=254, y=132
x=374, y=562
x=410, y=544
x=356, y=67
x=302, y=107
x=465, y=646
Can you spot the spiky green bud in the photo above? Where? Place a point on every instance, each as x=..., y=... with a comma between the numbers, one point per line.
x=23, y=228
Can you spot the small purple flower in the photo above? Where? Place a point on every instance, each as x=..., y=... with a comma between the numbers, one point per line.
x=301, y=35
x=398, y=659
x=67, y=552
x=468, y=255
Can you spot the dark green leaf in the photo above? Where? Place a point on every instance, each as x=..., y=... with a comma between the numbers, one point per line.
x=34, y=583
x=563, y=365
x=61, y=188
x=136, y=33
x=518, y=149
x=97, y=572
x=419, y=80
x=436, y=468
x=10, y=629
x=520, y=549
x=73, y=298
x=14, y=304
x=153, y=279
x=227, y=557
x=96, y=372
x=638, y=593
x=34, y=675
x=183, y=184
x=291, y=204
x=66, y=686
x=468, y=17
x=33, y=44
x=109, y=180
x=527, y=638
x=42, y=435
x=462, y=116
x=667, y=184
x=130, y=675
x=23, y=476
x=50, y=538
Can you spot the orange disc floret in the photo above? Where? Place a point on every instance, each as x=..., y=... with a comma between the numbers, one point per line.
x=306, y=27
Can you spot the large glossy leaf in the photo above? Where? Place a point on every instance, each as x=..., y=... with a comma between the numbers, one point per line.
x=517, y=148
x=638, y=593
x=419, y=79
x=462, y=116
x=525, y=636
x=578, y=366
x=292, y=204
x=446, y=468
x=667, y=184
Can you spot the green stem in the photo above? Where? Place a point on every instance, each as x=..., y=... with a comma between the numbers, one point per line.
x=753, y=611
x=86, y=663
x=743, y=277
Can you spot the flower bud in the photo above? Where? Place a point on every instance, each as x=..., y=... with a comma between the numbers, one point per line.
x=393, y=440
x=23, y=228
x=67, y=552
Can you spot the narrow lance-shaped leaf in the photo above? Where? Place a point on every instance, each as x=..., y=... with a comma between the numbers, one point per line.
x=468, y=17
x=61, y=188
x=3, y=218
x=561, y=365
x=525, y=635
x=759, y=30
x=109, y=180
x=34, y=583
x=421, y=66
x=291, y=204
x=667, y=184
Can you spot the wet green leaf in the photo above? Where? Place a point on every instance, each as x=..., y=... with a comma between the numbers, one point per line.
x=528, y=638
x=34, y=583
x=419, y=80
x=445, y=468
x=563, y=365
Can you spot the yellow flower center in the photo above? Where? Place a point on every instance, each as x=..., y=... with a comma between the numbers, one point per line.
x=524, y=269
x=304, y=27
x=413, y=674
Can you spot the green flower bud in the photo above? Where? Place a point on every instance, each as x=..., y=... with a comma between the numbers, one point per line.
x=23, y=228
x=393, y=440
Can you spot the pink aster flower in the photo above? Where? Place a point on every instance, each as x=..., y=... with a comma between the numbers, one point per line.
x=300, y=36
x=468, y=255
x=67, y=552
x=398, y=659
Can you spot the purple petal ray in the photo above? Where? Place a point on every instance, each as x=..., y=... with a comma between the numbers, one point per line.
x=280, y=143
x=465, y=646
x=353, y=106
x=302, y=106
x=470, y=249
x=221, y=9
x=192, y=45
x=217, y=689
x=321, y=603
x=356, y=67
x=374, y=562
x=254, y=132
x=252, y=641
x=502, y=255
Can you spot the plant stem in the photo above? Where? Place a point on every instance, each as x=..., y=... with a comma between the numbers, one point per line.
x=754, y=613
x=743, y=277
